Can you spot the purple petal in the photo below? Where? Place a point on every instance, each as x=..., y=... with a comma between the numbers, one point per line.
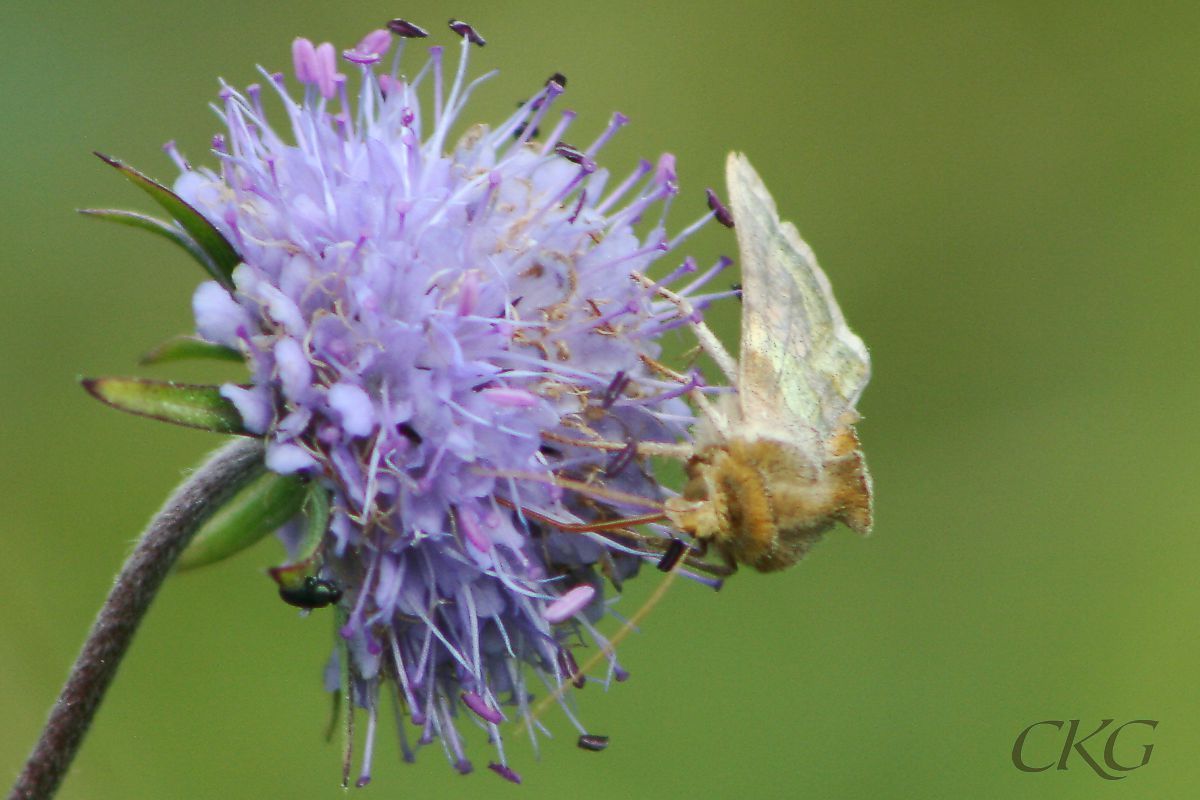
x=295, y=372
x=477, y=704
x=288, y=459
x=253, y=404
x=511, y=398
x=354, y=407
x=219, y=318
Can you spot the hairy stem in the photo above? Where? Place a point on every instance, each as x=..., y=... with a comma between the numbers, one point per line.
x=139, y=581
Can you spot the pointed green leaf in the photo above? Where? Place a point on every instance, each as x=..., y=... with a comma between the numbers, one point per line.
x=221, y=253
x=181, y=403
x=168, y=230
x=307, y=561
x=266, y=502
x=181, y=348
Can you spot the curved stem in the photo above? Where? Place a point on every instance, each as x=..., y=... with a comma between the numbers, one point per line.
x=112, y=632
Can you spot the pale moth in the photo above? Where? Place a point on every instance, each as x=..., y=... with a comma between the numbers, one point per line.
x=778, y=463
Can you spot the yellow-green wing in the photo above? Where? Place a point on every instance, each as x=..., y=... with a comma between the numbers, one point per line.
x=802, y=369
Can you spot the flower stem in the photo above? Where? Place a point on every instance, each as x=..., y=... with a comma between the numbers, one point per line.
x=143, y=573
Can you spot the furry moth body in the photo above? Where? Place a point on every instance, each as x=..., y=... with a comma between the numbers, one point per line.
x=779, y=463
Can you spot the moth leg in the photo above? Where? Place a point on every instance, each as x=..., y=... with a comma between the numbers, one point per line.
x=730, y=563
x=608, y=569
x=704, y=335
x=693, y=556
x=695, y=395
x=692, y=355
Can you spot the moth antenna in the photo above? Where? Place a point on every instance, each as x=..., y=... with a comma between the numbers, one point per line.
x=704, y=335
x=671, y=550
x=679, y=452
x=578, y=486
x=587, y=527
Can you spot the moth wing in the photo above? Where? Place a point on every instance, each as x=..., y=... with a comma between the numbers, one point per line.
x=802, y=368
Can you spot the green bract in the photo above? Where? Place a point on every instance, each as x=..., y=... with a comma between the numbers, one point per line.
x=186, y=404
x=195, y=233
x=264, y=503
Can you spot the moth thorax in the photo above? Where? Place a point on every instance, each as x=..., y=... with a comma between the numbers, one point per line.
x=760, y=504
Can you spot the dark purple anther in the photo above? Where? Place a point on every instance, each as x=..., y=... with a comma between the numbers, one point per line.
x=505, y=772
x=558, y=78
x=572, y=154
x=674, y=552
x=471, y=35
x=589, y=741
x=365, y=779
x=463, y=766
x=737, y=289
x=718, y=208
x=406, y=30
x=569, y=669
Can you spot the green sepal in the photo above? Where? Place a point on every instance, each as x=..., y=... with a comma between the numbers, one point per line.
x=298, y=582
x=219, y=256
x=168, y=230
x=181, y=403
x=261, y=506
x=307, y=562
x=181, y=348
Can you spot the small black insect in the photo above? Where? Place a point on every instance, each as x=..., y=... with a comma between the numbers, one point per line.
x=312, y=593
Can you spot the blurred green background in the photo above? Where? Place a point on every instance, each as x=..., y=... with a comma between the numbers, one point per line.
x=1006, y=197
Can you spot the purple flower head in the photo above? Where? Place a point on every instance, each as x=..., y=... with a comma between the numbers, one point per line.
x=435, y=329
